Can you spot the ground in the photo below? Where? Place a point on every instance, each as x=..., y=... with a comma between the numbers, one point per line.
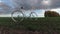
x=44, y=25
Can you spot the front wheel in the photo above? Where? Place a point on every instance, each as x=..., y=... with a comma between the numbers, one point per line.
x=33, y=16
x=17, y=16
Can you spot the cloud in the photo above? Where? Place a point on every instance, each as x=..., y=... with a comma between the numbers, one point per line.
x=28, y=4
x=4, y=8
x=57, y=10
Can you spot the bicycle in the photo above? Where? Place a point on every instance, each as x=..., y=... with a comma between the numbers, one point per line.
x=21, y=15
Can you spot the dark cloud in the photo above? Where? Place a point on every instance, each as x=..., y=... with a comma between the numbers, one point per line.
x=4, y=8
x=28, y=4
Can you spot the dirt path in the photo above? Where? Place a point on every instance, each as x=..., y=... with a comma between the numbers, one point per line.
x=4, y=30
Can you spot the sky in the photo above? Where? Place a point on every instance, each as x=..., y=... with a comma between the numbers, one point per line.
x=39, y=6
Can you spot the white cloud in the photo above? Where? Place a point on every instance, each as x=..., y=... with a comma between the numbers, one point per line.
x=40, y=13
x=57, y=10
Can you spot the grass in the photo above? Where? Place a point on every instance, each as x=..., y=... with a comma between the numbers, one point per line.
x=44, y=24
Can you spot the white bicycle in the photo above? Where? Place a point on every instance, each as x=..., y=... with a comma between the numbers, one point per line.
x=19, y=15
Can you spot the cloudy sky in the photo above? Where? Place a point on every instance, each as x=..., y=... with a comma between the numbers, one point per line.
x=39, y=6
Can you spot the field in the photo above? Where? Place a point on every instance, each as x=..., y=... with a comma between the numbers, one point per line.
x=41, y=24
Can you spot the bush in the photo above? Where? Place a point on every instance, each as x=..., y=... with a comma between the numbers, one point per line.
x=51, y=14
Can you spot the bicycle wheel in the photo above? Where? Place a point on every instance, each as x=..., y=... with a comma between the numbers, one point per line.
x=33, y=15
x=17, y=16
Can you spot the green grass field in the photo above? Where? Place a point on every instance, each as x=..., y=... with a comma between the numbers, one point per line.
x=45, y=24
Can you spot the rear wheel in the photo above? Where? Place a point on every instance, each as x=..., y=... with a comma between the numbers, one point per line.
x=17, y=16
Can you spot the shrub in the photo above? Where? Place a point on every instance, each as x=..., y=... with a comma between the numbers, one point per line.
x=51, y=14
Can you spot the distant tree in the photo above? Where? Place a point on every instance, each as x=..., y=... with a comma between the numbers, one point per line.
x=51, y=14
